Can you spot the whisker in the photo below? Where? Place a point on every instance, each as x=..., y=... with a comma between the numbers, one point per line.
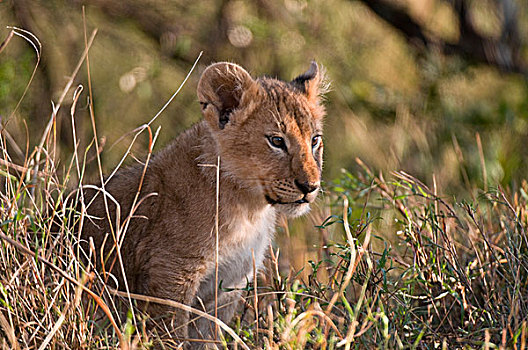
x=261, y=180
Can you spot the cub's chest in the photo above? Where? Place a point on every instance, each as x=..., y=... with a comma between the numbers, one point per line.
x=242, y=229
x=248, y=236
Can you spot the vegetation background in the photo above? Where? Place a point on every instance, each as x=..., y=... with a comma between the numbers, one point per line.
x=408, y=93
x=436, y=88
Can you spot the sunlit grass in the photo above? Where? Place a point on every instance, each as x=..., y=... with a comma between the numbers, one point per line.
x=402, y=267
x=399, y=265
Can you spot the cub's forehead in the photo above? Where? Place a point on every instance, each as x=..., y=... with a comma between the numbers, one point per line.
x=289, y=104
x=281, y=91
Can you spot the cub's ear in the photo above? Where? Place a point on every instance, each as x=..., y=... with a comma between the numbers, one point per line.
x=312, y=83
x=223, y=88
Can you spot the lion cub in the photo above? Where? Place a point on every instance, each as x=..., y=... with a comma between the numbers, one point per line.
x=268, y=135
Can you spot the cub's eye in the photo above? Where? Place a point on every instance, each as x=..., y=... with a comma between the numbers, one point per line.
x=277, y=142
x=316, y=141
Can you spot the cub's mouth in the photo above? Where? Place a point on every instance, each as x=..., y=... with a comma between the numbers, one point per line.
x=292, y=207
x=305, y=199
x=278, y=201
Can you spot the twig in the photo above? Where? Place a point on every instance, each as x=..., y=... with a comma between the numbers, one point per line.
x=22, y=33
x=9, y=332
x=4, y=43
x=255, y=296
x=19, y=167
x=57, y=106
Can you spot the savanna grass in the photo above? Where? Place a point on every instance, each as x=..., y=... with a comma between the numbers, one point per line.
x=420, y=271
x=401, y=266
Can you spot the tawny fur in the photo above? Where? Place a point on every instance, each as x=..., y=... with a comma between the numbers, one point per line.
x=168, y=241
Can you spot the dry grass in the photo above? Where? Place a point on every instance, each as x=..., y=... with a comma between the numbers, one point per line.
x=402, y=266
x=415, y=271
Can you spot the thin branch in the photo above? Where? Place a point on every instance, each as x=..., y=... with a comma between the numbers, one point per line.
x=502, y=53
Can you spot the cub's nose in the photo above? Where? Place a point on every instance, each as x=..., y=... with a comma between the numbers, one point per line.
x=307, y=187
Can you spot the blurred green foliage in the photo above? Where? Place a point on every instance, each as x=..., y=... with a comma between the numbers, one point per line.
x=453, y=121
x=392, y=105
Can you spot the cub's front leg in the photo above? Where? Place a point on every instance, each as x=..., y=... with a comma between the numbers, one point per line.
x=201, y=328
x=176, y=279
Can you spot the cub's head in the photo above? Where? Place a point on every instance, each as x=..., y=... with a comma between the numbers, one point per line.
x=268, y=132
